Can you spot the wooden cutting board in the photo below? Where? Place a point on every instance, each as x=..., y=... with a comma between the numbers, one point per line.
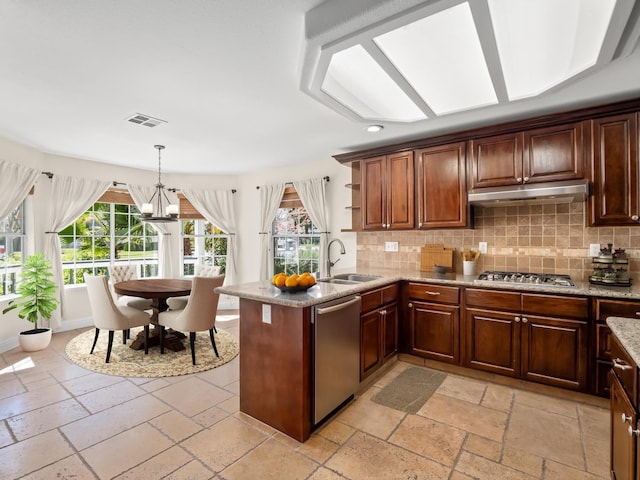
x=436, y=254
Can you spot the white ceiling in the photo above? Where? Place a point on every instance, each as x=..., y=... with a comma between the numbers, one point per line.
x=227, y=75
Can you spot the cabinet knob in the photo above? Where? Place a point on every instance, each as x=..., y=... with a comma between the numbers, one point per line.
x=517, y=319
x=419, y=224
x=519, y=179
x=525, y=179
x=410, y=305
x=626, y=418
x=620, y=364
x=634, y=218
x=525, y=319
x=633, y=432
x=429, y=292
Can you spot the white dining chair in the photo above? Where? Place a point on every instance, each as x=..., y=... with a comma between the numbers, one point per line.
x=178, y=303
x=199, y=314
x=122, y=273
x=109, y=316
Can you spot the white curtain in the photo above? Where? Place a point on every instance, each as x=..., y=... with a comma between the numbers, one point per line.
x=313, y=196
x=166, y=244
x=270, y=198
x=15, y=183
x=70, y=198
x=218, y=208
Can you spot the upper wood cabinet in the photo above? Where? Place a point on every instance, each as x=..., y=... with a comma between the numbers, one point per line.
x=387, y=192
x=442, y=186
x=614, y=171
x=539, y=155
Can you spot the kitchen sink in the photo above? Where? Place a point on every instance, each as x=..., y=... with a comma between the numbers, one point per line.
x=349, y=278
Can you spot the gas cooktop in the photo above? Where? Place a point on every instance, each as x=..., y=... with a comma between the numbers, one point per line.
x=548, y=279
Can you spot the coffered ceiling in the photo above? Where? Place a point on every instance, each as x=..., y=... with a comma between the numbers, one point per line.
x=237, y=86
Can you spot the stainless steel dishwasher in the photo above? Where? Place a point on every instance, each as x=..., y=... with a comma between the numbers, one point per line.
x=336, y=354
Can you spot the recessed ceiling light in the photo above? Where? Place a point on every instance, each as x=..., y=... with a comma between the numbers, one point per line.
x=375, y=128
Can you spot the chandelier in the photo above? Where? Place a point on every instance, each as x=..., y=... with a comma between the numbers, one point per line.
x=154, y=210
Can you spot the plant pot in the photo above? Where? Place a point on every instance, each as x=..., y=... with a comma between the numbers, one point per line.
x=35, y=339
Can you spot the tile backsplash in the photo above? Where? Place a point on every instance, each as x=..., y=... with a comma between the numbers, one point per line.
x=530, y=238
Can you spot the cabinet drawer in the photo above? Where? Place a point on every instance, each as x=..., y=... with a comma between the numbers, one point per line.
x=555, y=305
x=434, y=293
x=625, y=369
x=493, y=299
x=616, y=308
x=380, y=296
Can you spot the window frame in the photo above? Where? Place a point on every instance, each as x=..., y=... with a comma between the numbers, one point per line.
x=7, y=270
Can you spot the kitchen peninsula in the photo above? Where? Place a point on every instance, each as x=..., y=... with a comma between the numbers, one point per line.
x=276, y=363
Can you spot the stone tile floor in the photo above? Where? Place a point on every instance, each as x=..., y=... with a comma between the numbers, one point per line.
x=60, y=421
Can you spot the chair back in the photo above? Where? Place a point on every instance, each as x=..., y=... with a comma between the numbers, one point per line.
x=200, y=312
x=206, y=270
x=106, y=314
x=122, y=273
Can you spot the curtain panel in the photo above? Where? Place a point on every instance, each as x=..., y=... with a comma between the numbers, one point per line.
x=218, y=208
x=270, y=197
x=15, y=183
x=70, y=197
x=312, y=193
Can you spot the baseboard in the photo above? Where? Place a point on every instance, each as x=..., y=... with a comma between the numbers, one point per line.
x=75, y=324
x=8, y=344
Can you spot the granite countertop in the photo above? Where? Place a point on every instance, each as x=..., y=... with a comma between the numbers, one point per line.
x=322, y=292
x=627, y=330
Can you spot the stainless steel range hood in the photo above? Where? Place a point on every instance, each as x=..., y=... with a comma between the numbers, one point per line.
x=531, y=194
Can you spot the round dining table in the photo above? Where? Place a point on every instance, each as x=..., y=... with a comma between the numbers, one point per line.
x=158, y=290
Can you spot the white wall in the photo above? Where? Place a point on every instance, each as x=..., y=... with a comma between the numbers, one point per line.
x=247, y=199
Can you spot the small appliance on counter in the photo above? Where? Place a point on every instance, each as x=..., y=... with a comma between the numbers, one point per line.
x=610, y=268
x=548, y=279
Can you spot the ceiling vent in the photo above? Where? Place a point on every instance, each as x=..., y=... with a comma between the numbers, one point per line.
x=146, y=120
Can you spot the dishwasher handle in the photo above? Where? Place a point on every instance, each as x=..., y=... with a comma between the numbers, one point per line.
x=335, y=308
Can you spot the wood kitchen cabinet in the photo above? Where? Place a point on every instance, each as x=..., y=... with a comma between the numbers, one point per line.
x=378, y=328
x=546, y=154
x=601, y=342
x=434, y=321
x=442, y=187
x=615, y=199
x=540, y=338
x=388, y=192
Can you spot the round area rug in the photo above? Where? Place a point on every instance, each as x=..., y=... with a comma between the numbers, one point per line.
x=126, y=362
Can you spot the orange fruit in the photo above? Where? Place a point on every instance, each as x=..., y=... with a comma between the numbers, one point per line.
x=280, y=281
x=303, y=280
x=291, y=281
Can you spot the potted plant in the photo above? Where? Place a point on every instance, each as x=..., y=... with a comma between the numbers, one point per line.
x=37, y=299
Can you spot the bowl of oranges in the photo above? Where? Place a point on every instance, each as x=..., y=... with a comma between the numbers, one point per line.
x=293, y=283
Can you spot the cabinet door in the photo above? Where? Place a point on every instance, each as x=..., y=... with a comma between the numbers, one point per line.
x=442, y=187
x=399, y=191
x=373, y=191
x=389, y=331
x=623, y=448
x=370, y=334
x=614, y=171
x=553, y=153
x=496, y=161
x=554, y=351
x=492, y=341
x=435, y=331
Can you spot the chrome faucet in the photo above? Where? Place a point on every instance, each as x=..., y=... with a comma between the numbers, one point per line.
x=329, y=262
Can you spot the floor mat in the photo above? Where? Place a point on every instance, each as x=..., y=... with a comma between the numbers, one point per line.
x=410, y=390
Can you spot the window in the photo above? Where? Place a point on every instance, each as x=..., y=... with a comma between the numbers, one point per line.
x=296, y=240
x=108, y=233
x=204, y=243
x=12, y=244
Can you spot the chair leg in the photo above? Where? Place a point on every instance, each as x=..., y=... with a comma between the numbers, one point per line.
x=124, y=337
x=192, y=342
x=215, y=329
x=111, y=332
x=95, y=340
x=161, y=339
x=146, y=339
x=213, y=341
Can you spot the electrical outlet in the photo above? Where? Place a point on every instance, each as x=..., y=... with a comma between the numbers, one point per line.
x=594, y=249
x=390, y=246
x=266, y=313
x=482, y=246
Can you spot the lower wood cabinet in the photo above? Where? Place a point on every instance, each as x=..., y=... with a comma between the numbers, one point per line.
x=378, y=328
x=623, y=444
x=434, y=322
x=506, y=335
